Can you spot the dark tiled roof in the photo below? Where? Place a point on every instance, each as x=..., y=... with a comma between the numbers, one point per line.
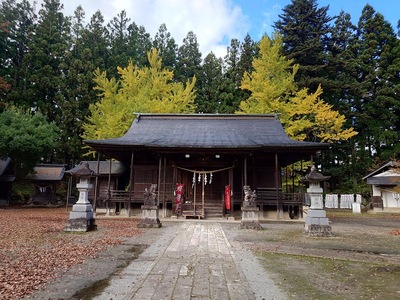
x=387, y=174
x=117, y=168
x=384, y=180
x=47, y=172
x=205, y=131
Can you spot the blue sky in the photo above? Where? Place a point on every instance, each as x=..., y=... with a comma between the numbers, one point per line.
x=263, y=13
x=216, y=22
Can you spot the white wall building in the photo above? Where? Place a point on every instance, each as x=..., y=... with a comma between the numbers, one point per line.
x=385, y=187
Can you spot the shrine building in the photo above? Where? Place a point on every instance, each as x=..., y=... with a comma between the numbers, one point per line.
x=201, y=162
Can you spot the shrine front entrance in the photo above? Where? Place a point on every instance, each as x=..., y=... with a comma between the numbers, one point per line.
x=204, y=194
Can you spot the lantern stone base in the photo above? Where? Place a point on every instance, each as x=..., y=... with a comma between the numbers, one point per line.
x=250, y=217
x=81, y=218
x=150, y=217
x=80, y=225
x=317, y=224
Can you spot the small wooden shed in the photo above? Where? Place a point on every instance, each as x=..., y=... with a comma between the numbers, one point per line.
x=108, y=174
x=45, y=178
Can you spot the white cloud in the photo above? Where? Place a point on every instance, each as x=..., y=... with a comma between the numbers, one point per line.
x=214, y=22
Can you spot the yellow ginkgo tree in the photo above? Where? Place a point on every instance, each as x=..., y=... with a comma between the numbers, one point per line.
x=304, y=115
x=139, y=90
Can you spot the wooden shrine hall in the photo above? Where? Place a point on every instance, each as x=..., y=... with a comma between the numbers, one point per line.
x=201, y=162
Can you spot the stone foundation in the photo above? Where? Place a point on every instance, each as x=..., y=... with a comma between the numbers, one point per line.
x=150, y=217
x=317, y=224
x=250, y=217
x=80, y=225
x=318, y=230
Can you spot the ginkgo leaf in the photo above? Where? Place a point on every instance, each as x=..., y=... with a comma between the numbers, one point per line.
x=146, y=90
x=304, y=115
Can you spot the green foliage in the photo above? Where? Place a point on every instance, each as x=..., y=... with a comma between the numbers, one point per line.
x=208, y=91
x=305, y=29
x=146, y=89
x=26, y=138
x=237, y=61
x=48, y=61
x=165, y=43
x=21, y=192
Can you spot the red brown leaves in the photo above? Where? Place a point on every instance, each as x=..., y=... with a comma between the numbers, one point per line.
x=34, y=248
x=395, y=232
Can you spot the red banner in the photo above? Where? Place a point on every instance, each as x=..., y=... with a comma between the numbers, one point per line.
x=179, y=193
x=228, y=197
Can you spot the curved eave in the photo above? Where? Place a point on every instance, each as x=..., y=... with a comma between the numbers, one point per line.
x=289, y=147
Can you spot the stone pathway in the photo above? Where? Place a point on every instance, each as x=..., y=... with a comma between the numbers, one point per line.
x=193, y=260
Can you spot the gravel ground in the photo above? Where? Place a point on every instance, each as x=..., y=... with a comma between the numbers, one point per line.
x=259, y=279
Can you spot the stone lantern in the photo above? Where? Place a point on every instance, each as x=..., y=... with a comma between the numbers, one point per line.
x=316, y=223
x=81, y=216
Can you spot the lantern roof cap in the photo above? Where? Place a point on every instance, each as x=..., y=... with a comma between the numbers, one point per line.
x=83, y=170
x=314, y=175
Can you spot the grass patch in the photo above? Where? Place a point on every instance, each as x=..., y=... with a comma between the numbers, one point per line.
x=307, y=277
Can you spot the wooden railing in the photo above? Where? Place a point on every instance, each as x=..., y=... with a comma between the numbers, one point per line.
x=124, y=196
x=273, y=197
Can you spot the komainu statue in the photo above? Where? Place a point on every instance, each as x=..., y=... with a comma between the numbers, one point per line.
x=249, y=195
x=150, y=195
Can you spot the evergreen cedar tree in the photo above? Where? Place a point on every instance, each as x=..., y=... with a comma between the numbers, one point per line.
x=48, y=61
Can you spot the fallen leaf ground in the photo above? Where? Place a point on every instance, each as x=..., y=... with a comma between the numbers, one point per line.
x=34, y=248
x=360, y=262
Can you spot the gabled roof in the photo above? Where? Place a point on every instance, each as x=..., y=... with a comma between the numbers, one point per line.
x=47, y=172
x=385, y=167
x=117, y=168
x=385, y=175
x=204, y=131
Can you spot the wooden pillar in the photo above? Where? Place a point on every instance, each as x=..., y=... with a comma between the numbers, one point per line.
x=164, y=187
x=159, y=181
x=131, y=185
x=231, y=185
x=69, y=188
x=108, y=203
x=96, y=185
x=245, y=170
x=194, y=196
x=279, y=208
x=202, y=195
x=293, y=175
x=174, y=182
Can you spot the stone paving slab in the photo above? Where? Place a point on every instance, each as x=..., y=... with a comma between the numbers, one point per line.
x=197, y=262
